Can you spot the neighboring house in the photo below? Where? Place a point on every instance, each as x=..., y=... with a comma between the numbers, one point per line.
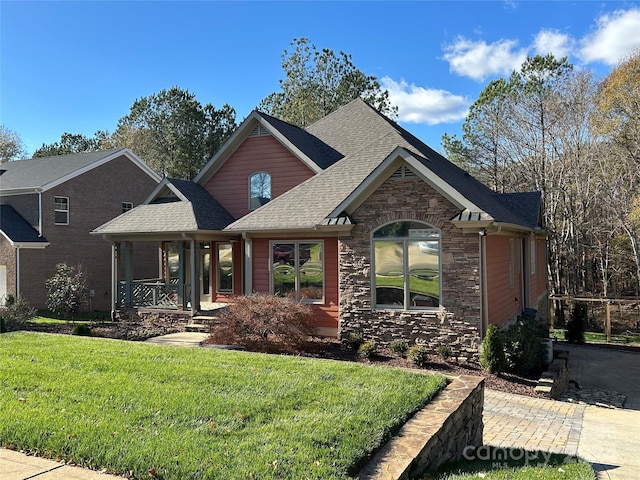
x=49, y=205
x=354, y=215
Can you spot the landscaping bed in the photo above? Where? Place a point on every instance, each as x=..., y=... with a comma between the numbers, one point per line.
x=146, y=411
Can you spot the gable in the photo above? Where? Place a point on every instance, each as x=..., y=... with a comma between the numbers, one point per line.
x=259, y=153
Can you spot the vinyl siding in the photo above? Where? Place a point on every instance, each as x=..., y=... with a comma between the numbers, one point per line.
x=230, y=184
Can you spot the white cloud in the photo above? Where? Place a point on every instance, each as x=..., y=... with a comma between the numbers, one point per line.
x=553, y=41
x=479, y=60
x=425, y=105
x=617, y=34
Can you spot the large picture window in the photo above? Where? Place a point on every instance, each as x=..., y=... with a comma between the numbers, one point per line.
x=406, y=260
x=259, y=189
x=297, y=270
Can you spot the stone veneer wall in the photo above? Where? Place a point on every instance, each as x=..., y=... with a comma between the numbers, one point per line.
x=437, y=434
x=457, y=324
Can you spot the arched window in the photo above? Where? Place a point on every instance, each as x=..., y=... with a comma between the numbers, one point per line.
x=406, y=266
x=259, y=189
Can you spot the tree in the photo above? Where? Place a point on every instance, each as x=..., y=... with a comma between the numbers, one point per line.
x=11, y=147
x=319, y=82
x=76, y=143
x=173, y=132
x=66, y=290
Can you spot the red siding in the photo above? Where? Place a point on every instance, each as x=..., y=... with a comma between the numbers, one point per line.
x=230, y=184
x=538, y=285
x=504, y=298
x=327, y=313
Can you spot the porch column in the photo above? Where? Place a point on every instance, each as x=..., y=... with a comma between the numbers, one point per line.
x=181, y=276
x=115, y=278
x=128, y=274
x=195, y=277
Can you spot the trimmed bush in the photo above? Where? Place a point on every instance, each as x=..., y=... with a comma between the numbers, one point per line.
x=444, y=351
x=265, y=322
x=492, y=357
x=399, y=347
x=367, y=349
x=66, y=291
x=577, y=324
x=82, y=330
x=522, y=347
x=354, y=340
x=418, y=355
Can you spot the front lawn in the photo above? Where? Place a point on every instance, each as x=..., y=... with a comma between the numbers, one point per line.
x=198, y=413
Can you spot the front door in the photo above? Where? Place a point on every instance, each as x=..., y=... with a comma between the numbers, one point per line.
x=205, y=274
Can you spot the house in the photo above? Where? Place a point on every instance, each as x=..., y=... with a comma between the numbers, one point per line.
x=382, y=235
x=49, y=205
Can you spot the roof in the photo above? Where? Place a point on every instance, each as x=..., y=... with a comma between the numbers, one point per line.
x=371, y=145
x=175, y=206
x=17, y=230
x=22, y=176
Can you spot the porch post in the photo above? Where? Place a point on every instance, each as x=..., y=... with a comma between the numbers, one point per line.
x=181, y=264
x=128, y=274
x=195, y=277
x=115, y=278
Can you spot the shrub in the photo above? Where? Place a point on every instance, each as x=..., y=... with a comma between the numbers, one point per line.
x=82, y=330
x=265, y=322
x=15, y=314
x=492, y=357
x=66, y=291
x=418, y=355
x=399, y=347
x=522, y=347
x=577, y=324
x=444, y=351
x=354, y=340
x=367, y=349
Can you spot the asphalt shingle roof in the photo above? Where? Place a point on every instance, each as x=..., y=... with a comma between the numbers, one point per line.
x=38, y=172
x=366, y=138
x=16, y=228
x=171, y=214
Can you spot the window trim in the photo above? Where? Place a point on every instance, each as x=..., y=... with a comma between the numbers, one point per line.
x=296, y=243
x=126, y=206
x=405, y=267
x=261, y=172
x=57, y=210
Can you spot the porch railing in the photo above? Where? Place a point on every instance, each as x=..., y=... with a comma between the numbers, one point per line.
x=154, y=294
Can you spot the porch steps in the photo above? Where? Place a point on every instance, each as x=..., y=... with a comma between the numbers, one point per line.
x=201, y=323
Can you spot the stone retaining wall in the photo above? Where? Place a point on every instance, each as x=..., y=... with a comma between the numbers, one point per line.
x=152, y=316
x=555, y=381
x=435, y=435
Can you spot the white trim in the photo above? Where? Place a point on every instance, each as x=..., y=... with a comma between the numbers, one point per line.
x=56, y=210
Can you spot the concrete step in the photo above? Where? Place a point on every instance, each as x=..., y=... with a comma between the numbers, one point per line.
x=205, y=320
x=197, y=327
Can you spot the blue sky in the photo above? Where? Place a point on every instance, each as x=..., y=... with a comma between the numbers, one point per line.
x=78, y=66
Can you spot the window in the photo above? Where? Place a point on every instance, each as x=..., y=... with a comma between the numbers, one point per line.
x=61, y=210
x=259, y=189
x=126, y=206
x=224, y=263
x=406, y=261
x=532, y=259
x=297, y=270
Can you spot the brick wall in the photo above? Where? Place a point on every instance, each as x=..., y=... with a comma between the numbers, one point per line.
x=95, y=197
x=457, y=323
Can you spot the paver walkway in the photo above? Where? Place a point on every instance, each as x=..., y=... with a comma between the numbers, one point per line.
x=531, y=423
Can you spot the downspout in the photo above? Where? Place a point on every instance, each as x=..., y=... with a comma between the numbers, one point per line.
x=484, y=301
x=39, y=190
x=17, y=272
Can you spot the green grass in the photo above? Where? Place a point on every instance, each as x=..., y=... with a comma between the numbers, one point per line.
x=495, y=463
x=198, y=413
x=559, y=333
